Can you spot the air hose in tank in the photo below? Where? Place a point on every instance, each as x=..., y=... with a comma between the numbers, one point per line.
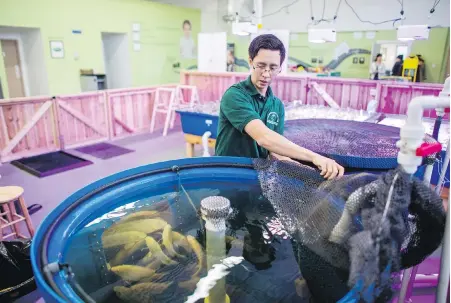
x=54, y=268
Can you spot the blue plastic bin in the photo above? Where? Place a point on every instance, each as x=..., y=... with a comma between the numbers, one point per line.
x=197, y=123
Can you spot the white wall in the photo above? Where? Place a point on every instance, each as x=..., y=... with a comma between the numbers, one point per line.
x=116, y=60
x=34, y=59
x=297, y=16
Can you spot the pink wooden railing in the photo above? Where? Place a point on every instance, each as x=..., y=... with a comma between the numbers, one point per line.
x=131, y=111
x=38, y=125
x=82, y=119
x=27, y=127
x=393, y=97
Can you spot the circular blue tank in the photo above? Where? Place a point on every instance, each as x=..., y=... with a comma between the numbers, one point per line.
x=72, y=263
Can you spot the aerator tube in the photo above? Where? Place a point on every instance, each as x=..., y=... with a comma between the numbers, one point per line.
x=215, y=211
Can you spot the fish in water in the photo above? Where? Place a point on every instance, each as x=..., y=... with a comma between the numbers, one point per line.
x=156, y=251
x=146, y=226
x=128, y=250
x=301, y=288
x=142, y=292
x=198, y=251
x=168, y=242
x=190, y=284
x=132, y=272
x=122, y=238
x=144, y=214
x=180, y=240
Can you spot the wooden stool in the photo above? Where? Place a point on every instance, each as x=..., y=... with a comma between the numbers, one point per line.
x=8, y=195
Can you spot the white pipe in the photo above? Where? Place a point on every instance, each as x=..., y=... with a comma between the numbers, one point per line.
x=412, y=133
x=427, y=176
x=205, y=137
x=258, y=8
x=412, y=136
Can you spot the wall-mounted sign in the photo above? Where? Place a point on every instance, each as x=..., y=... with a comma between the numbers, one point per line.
x=57, y=49
x=136, y=27
x=76, y=31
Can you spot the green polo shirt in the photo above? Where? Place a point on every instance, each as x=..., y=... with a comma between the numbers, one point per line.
x=240, y=104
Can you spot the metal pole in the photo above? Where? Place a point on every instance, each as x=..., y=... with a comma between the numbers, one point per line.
x=443, y=282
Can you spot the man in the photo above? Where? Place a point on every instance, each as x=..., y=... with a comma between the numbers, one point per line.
x=397, y=68
x=251, y=118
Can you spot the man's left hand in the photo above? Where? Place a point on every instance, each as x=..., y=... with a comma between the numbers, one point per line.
x=329, y=168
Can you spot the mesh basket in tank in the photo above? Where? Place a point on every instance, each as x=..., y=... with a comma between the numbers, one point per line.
x=344, y=233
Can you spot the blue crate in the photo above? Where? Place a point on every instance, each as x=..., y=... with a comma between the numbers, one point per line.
x=197, y=123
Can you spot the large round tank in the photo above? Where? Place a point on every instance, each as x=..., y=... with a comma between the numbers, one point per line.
x=77, y=254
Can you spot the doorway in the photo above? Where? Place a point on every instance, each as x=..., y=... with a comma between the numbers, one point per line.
x=26, y=45
x=117, y=60
x=13, y=68
x=390, y=50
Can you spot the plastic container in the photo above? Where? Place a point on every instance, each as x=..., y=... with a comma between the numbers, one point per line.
x=198, y=123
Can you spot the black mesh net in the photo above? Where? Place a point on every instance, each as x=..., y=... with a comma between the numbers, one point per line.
x=355, y=231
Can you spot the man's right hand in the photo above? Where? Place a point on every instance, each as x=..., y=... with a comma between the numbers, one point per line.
x=329, y=168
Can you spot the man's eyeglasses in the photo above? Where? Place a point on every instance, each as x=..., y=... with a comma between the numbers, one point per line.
x=262, y=68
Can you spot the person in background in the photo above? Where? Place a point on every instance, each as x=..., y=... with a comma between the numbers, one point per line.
x=187, y=45
x=377, y=68
x=251, y=118
x=397, y=68
x=421, y=70
x=230, y=61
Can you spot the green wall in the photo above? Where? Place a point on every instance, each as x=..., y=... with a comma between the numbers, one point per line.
x=161, y=29
x=433, y=51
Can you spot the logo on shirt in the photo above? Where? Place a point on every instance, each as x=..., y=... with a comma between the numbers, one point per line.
x=273, y=118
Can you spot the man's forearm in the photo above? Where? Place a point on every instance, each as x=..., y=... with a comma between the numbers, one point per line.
x=280, y=145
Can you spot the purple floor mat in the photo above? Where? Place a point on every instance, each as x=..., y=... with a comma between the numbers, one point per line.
x=104, y=150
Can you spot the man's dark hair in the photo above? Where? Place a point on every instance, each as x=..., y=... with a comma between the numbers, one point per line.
x=269, y=42
x=186, y=22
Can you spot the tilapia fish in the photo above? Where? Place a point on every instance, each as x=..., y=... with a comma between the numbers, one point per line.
x=146, y=226
x=142, y=292
x=190, y=284
x=180, y=240
x=127, y=251
x=132, y=272
x=122, y=238
x=156, y=251
x=144, y=214
x=168, y=242
x=198, y=251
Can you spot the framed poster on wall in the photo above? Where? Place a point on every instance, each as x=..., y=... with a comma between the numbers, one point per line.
x=284, y=36
x=57, y=49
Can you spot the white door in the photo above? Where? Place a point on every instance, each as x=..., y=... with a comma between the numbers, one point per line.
x=117, y=60
x=212, y=52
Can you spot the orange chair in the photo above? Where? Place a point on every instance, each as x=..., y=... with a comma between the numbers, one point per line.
x=8, y=195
